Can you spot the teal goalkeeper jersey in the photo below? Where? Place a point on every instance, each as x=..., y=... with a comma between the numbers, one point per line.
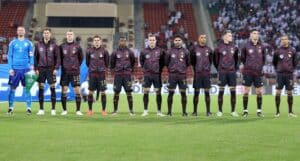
x=20, y=54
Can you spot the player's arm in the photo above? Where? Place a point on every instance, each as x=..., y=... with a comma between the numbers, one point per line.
x=294, y=59
x=264, y=52
x=87, y=58
x=211, y=56
x=243, y=55
x=167, y=58
x=10, y=58
x=275, y=59
x=161, y=60
x=106, y=58
x=193, y=56
x=142, y=58
x=236, y=58
x=113, y=60
x=216, y=57
x=57, y=57
x=132, y=59
x=188, y=58
x=80, y=55
x=31, y=57
x=36, y=57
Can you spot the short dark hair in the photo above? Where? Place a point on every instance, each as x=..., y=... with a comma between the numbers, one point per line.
x=177, y=36
x=46, y=29
x=226, y=32
x=122, y=37
x=151, y=35
x=254, y=29
x=97, y=36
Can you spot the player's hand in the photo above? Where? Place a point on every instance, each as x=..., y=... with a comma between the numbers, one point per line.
x=37, y=72
x=11, y=72
x=54, y=72
x=31, y=67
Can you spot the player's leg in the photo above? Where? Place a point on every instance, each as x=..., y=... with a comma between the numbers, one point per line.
x=195, y=101
x=146, y=101
x=11, y=99
x=196, y=86
x=279, y=87
x=207, y=101
x=27, y=92
x=232, y=85
x=157, y=87
x=52, y=80
x=247, y=82
x=146, y=88
x=289, y=86
x=206, y=86
x=90, y=102
x=102, y=89
x=92, y=87
x=117, y=90
x=64, y=99
x=258, y=83
x=14, y=81
x=76, y=86
x=182, y=87
x=222, y=83
x=53, y=99
x=158, y=101
x=259, y=101
x=41, y=99
x=171, y=89
x=127, y=83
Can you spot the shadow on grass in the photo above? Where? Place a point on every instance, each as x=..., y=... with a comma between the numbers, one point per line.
x=123, y=117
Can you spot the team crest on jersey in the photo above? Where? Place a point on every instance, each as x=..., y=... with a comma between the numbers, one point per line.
x=65, y=51
x=232, y=51
x=173, y=55
x=290, y=55
x=224, y=52
x=259, y=50
x=181, y=59
x=181, y=54
x=74, y=50
x=206, y=54
x=92, y=56
x=250, y=51
x=281, y=56
x=147, y=56
x=25, y=44
x=51, y=48
x=127, y=55
x=41, y=49
x=198, y=53
x=118, y=56
x=101, y=55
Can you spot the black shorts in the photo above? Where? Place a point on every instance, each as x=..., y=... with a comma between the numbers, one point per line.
x=66, y=79
x=285, y=80
x=227, y=79
x=248, y=80
x=201, y=82
x=154, y=79
x=46, y=75
x=122, y=81
x=173, y=81
x=97, y=83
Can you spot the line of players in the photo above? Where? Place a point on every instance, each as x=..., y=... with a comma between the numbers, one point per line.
x=48, y=57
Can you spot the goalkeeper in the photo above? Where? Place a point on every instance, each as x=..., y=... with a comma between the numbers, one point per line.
x=20, y=61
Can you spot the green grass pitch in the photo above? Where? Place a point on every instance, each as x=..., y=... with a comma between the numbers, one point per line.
x=125, y=138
